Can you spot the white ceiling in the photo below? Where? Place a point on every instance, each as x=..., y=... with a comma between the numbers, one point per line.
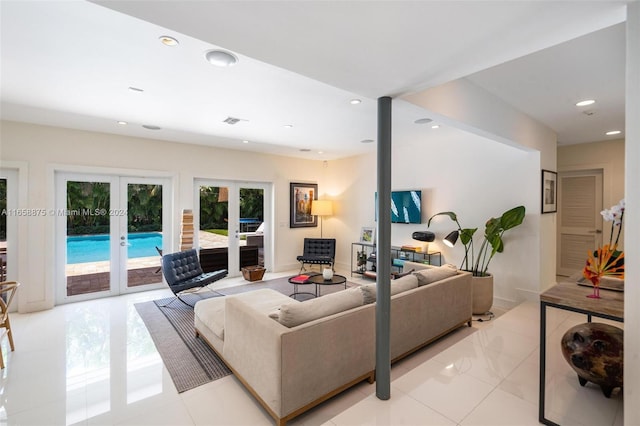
x=70, y=64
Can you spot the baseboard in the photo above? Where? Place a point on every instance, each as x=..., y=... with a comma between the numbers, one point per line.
x=524, y=295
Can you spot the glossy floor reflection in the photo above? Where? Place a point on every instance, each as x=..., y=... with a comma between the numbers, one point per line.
x=94, y=363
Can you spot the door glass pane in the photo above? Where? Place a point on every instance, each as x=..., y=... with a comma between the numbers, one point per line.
x=251, y=232
x=144, y=234
x=213, y=232
x=3, y=229
x=88, y=260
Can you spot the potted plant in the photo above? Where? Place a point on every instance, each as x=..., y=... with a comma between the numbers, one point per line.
x=478, y=262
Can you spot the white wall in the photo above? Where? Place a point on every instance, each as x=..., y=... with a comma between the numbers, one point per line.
x=464, y=105
x=444, y=165
x=477, y=179
x=349, y=182
x=40, y=150
x=606, y=155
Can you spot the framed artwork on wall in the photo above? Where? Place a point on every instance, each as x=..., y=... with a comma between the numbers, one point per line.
x=549, y=191
x=301, y=198
x=368, y=235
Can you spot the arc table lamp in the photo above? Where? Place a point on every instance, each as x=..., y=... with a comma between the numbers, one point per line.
x=451, y=238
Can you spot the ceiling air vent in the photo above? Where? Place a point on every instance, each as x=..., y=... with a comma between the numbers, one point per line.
x=232, y=120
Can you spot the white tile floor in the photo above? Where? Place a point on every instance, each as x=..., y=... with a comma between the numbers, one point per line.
x=94, y=363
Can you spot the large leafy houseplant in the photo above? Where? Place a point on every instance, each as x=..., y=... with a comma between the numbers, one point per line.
x=478, y=262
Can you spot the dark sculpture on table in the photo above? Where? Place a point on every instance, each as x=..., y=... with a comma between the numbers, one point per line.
x=595, y=352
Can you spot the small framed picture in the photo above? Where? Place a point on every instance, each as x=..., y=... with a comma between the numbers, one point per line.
x=368, y=235
x=301, y=198
x=549, y=191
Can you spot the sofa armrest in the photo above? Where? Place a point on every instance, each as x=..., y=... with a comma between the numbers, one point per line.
x=290, y=368
x=252, y=348
x=420, y=315
x=326, y=354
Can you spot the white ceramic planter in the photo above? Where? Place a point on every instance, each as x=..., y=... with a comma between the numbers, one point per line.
x=482, y=288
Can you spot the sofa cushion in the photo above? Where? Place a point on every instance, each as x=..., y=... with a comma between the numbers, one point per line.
x=430, y=275
x=211, y=311
x=296, y=313
x=399, y=285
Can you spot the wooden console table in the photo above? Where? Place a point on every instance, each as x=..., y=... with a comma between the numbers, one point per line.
x=572, y=297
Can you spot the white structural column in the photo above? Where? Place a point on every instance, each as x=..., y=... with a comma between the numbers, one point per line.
x=632, y=221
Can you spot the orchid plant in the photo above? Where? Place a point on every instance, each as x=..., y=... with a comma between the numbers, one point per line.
x=615, y=214
x=607, y=260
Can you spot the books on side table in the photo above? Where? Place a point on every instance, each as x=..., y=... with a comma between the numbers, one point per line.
x=300, y=279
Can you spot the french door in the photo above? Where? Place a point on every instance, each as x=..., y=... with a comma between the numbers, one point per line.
x=8, y=224
x=110, y=232
x=233, y=222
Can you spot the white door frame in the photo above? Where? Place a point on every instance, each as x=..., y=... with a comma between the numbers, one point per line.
x=11, y=175
x=234, y=216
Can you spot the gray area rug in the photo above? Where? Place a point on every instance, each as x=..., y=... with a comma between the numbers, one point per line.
x=189, y=360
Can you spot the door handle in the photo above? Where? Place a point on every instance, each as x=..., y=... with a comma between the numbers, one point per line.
x=596, y=231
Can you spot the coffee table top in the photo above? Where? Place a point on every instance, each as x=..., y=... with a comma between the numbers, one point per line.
x=296, y=279
x=336, y=279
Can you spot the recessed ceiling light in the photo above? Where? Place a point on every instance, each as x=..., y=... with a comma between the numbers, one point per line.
x=435, y=126
x=151, y=127
x=221, y=58
x=366, y=141
x=613, y=132
x=122, y=123
x=585, y=102
x=168, y=40
x=355, y=101
x=135, y=89
x=245, y=141
x=288, y=126
x=423, y=121
x=320, y=152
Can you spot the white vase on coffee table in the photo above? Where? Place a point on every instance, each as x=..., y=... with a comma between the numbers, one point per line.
x=327, y=273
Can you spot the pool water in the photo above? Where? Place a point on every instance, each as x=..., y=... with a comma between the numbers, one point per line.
x=95, y=248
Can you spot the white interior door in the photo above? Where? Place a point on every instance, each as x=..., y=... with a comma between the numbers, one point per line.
x=579, y=220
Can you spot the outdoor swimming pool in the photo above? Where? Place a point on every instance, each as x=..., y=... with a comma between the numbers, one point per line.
x=95, y=248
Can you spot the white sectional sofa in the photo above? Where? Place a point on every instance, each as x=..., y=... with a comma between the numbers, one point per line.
x=293, y=355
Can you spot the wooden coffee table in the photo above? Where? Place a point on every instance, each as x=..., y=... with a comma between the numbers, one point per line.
x=319, y=280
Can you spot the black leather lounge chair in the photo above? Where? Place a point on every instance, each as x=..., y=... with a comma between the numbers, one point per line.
x=318, y=251
x=183, y=272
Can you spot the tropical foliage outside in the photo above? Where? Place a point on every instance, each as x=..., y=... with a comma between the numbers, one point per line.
x=214, y=207
x=88, y=204
x=144, y=207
